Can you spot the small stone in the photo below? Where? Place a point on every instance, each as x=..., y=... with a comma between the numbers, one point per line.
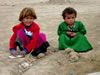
x=23, y=66
x=74, y=58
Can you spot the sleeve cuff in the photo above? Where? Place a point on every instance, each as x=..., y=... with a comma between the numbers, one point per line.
x=26, y=51
x=12, y=49
x=78, y=32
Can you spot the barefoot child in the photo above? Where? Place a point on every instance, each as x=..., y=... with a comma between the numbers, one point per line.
x=72, y=33
x=27, y=36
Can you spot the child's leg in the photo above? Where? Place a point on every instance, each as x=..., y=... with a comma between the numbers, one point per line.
x=21, y=39
x=42, y=45
x=42, y=42
x=41, y=39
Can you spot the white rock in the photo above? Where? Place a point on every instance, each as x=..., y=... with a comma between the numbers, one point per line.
x=25, y=64
x=96, y=73
x=74, y=58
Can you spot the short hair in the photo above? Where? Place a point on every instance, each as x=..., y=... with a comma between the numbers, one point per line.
x=69, y=10
x=27, y=12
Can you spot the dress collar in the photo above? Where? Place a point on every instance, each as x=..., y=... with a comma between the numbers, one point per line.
x=27, y=27
x=71, y=29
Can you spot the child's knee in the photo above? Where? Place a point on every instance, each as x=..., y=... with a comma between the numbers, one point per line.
x=42, y=36
x=20, y=32
x=62, y=35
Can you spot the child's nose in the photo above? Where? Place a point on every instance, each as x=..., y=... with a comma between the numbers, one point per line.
x=71, y=20
x=29, y=19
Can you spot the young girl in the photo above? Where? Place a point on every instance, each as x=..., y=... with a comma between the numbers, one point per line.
x=71, y=33
x=26, y=35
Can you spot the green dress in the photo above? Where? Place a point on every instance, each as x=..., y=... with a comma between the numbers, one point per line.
x=78, y=43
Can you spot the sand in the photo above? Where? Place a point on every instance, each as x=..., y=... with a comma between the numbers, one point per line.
x=49, y=17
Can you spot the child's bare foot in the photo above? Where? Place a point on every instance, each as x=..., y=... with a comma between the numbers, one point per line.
x=69, y=50
x=41, y=55
x=45, y=53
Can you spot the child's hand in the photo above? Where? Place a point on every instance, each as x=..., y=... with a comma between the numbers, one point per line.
x=69, y=33
x=14, y=53
x=73, y=34
x=22, y=52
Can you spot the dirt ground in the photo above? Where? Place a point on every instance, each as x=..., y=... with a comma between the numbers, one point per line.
x=49, y=17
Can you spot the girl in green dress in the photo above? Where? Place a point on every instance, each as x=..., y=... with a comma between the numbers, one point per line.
x=72, y=33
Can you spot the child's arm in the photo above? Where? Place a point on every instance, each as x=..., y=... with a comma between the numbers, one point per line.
x=61, y=31
x=22, y=52
x=82, y=29
x=73, y=34
x=14, y=53
x=69, y=32
x=12, y=44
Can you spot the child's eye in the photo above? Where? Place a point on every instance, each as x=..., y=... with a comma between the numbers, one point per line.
x=31, y=18
x=26, y=17
x=73, y=17
x=68, y=18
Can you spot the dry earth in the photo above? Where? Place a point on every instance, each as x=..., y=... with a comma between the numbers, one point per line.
x=49, y=17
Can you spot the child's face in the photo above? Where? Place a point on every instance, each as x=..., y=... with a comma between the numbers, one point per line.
x=27, y=20
x=70, y=19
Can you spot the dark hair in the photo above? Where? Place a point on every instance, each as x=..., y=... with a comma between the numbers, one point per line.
x=27, y=12
x=69, y=10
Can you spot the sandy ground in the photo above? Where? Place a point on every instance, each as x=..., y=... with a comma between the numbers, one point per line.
x=49, y=17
